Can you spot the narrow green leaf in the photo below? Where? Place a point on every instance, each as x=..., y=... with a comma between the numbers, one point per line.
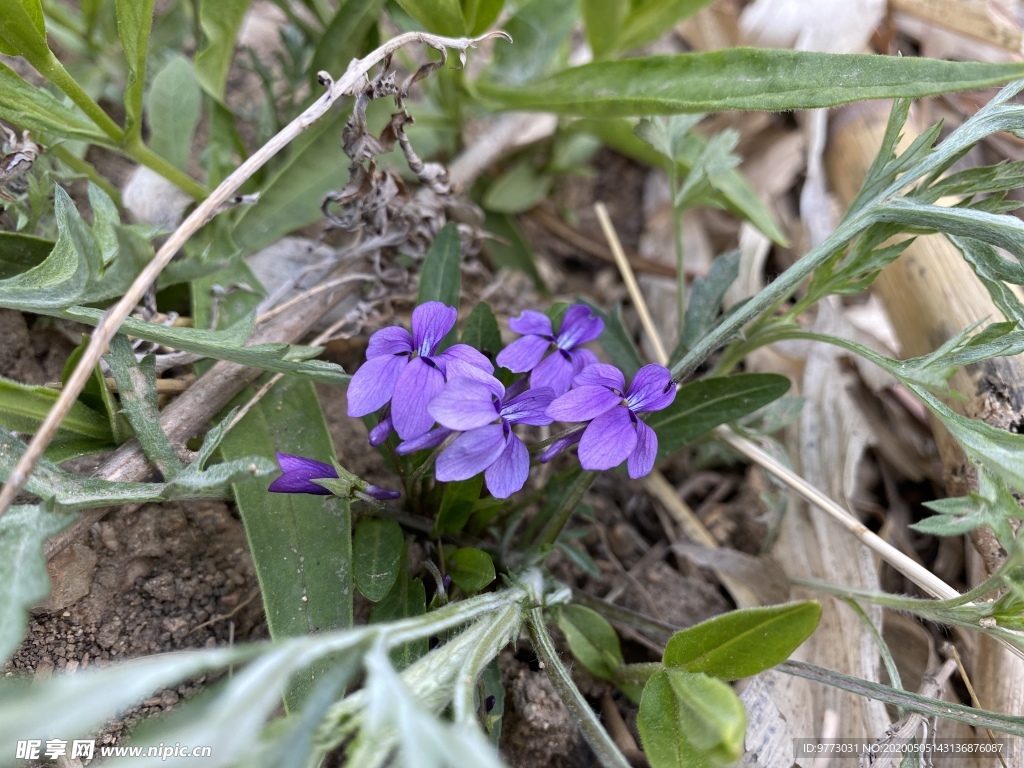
x=442, y=17
x=1002, y=231
x=690, y=720
x=994, y=272
x=744, y=642
x=457, y=504
x=706, y=297
x=173, y=108
x=471, y=569
x=20, y=252
x=23, y=29
x=442, y=268
x=541, y=32
x=134, y=21
x=23, y=408
x=301, y=545
x=703, y=405
x=481, y=14
x=344, y=35
x=742, y=78
x=649, y=20
x=23, y=531
x=220, y=20
x=592, y=640
x=481, y=331
x=136, y=384
x=512, y=251
x=377, y=550
x=603, y=21
x=518, y=190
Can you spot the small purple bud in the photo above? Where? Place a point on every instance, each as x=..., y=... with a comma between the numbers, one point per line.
x=382, y=494
x=446, y=582
x=381, y=432
x=489, y=702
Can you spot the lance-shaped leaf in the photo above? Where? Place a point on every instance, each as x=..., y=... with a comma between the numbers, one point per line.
x=220, y=20
x=38, y=110
x=134, y=20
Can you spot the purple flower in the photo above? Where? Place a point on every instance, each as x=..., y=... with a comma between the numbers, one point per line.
x=614, y=432
x=300, y=472
x=579, y=326
x=401, y=367
x=479, y=410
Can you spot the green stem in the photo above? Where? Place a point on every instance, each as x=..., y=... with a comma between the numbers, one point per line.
x=54, y=71
x=142, y=154
x=596, y=737
x=549, y=533
x=80, y=166
x=637, y=674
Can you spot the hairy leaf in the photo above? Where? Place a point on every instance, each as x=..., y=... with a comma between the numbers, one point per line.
x=173, y=106
x=592, y=640
x=39, y=111
x=134, y=20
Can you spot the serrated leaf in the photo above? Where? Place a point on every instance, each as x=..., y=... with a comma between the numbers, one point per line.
x=377, y=550
x=592, y=640
x=741, y=78
x=442, y=17
x=704, y=404
x=39, y=111
x=220, y=21
x=471, y=569
x=173, y=107
x=23, y=531
x=457, y=504
x=301, y=545
x=690, y=720
x=481, y=331
x=441, y=274
x=134, y=21
x=744, y=642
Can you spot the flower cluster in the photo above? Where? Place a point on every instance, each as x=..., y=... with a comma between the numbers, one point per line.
x=453, y=400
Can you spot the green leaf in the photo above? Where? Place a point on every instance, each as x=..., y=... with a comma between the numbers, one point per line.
x=513, y=251
x=134, y=21
x=457, y=504
x=442, y=17
x=377, y=550
x=343, y=38
x=994, y=272
x=592, y=640
x=220, y=20
x=173, y=108
x=406, y=598
x=705, y=303
x=481, y=331
x=23, y=408
x=690, y=720
x=518, y=190
x=229, y=345
x=603, y=21
x=541, y=32
x=993, y=505
x=667, y=134
x=23, y=531
x=1002, y=231
x=742, y=78
x=651, y=19
x=481, y=14
x=471, y=569
x=136, y=385
x=23, y=29
x=744, y=642
x=20, y=252
x=737, y=195
x=290, y=199
x=301, y=544
x=703, y=405
x=616, y=341
x=441, y=274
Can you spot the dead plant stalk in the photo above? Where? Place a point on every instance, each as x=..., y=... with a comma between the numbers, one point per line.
x=348, y=85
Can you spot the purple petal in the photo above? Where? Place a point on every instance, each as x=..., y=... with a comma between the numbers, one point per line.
x=583, y=403
x=652, y=389
x=523, y=354
x=600, y=375
x=374, y=383
x=508, y=474
x=529, y=408
x=463, y=404
x=419, y=383
x=430, y=439
x=470, y=454
x=381, y=494
x=463, y=360
x=393, y=340
x=530, y=322
x=641, y=460
x=556, y=372
x=579, y=326
x=291, y=463
x=382, y=431
x=561, y=444
x=581, y=358
x=609, y=439
x=431, y=322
